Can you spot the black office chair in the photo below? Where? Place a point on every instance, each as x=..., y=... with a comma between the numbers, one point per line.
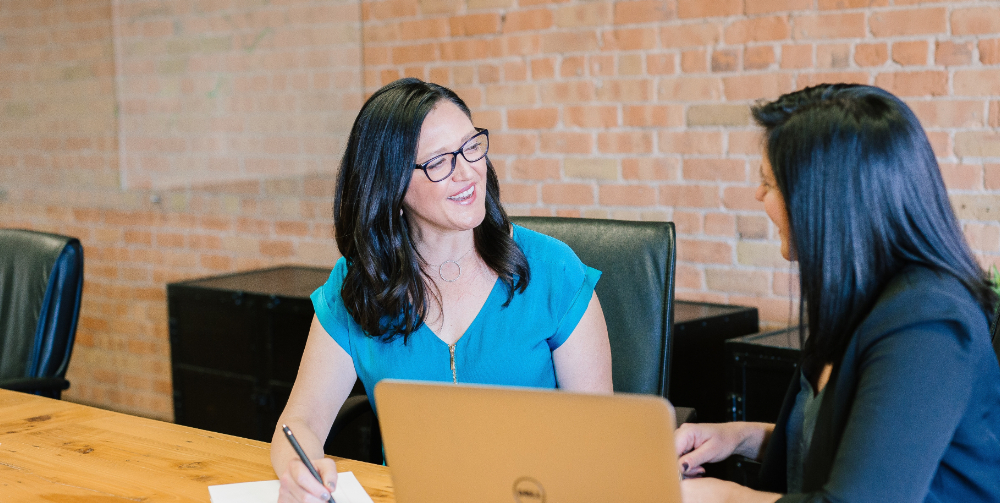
x=994, y=331
x=41, y=279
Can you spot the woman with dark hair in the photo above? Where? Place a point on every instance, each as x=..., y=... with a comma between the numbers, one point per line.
x=435, y=283
x=898, y=395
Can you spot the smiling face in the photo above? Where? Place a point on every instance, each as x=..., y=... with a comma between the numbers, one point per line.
x=774, y=205
x=458, y=202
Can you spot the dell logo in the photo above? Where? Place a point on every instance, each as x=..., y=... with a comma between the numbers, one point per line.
x=528, y=490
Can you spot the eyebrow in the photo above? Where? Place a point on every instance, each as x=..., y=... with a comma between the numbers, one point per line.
x=444, y=150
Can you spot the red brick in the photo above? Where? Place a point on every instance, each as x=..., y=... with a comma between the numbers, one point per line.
x=708, y=8
x=851, y=4
x=771, y=6
x=910, y=53
x=758, y=58
x=506, y=95
x=726, y=60
x=948, y=53
x=643, y=11
x=568, y=193
x=690, y=35
x=535, y=169
x=630, y=39
x=833, y=56
x=625, y=142
x=518, y=193
x=276, y=248
x=584, y=15
x=474, y=24
x=566, y=143
x=822, y=26
x=741, y=198
x=989, y=51
x=950, y=113
x=661, y=64
x=543, y=68
x=532, y=118
x=704, y=252
x=569, y=42
x=756, y=86
x=626, y=195
x=657, y=168
x=975, y=21
x=925, y=83
x=909, y=22
x=759, y=29
x=689, y=89
x=688, y=223
x=690, y=196
x=653, y=115
x=723, y=170
x=871, y=54
x=690, y=142
x=625, y=90
x=991, y=176
x=812, y=79
x=962, y=176
x=503, y=143
x=573, y=66
x=977, y=82
x=567, y=92
x=694, y=61
x=796, y=56
x=589, y=116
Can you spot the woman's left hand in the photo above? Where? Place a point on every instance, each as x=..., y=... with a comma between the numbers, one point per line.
x=710, y=490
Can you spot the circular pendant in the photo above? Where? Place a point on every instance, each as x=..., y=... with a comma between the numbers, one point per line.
x=453, y=271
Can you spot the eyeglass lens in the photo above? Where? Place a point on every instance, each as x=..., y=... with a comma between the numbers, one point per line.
x=443, y=166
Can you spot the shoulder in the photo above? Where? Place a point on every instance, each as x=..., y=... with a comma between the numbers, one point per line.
x=328, y=295
x=540, y=249
x=919, y=295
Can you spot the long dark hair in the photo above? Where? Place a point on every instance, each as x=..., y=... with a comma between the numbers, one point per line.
x=384, y=289
x=865, y=198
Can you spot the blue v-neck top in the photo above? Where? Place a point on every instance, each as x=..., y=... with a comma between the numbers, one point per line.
x=509, y=345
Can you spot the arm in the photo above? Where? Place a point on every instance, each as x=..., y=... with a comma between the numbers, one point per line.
x=914, y=386
x=325, y=378
x=583, y=362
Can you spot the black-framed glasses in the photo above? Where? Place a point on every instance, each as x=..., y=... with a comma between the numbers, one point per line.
x=442, y=166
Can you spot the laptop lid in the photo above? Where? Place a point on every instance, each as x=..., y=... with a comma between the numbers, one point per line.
x=447, y=443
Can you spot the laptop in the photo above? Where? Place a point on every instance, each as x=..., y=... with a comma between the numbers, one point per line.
x=448, y=443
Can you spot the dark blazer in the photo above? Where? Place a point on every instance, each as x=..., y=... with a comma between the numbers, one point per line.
x=912, y=412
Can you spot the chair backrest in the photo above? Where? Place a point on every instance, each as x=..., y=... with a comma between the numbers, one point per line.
x=994, y=330
x=41, y=279
x=636, y=291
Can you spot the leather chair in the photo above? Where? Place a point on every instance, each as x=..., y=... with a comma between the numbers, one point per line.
x=636, y=291
x=994, y=331
x=41, y=280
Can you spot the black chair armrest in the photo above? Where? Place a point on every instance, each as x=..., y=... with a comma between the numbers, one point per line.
x=353, y=408
x=685, y=415
x=33, y=384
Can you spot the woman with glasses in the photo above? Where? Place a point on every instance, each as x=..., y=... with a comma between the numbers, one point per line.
x=435, y=283
x=897, y=397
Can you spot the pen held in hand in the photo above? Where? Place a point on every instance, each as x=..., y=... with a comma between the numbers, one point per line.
x=302, y=455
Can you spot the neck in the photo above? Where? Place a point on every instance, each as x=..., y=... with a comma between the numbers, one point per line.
x=438, y=247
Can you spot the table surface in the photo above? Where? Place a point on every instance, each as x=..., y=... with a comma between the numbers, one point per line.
x=54, y=451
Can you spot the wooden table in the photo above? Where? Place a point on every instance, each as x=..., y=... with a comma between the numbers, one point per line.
x=53, y=451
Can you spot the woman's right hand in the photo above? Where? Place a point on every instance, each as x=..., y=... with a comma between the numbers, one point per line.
x=700, y=443
x=299, y=486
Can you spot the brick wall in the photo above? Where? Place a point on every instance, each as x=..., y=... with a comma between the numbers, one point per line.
x=634, y=109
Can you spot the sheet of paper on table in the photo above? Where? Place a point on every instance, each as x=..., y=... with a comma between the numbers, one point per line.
x=348, y=490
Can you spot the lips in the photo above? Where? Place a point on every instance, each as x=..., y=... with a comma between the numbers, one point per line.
x=465, y=195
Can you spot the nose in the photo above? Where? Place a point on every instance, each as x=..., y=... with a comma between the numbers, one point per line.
x=463, y=169
x=761, y=192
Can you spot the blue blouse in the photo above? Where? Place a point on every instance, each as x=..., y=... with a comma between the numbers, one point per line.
x=509, y=345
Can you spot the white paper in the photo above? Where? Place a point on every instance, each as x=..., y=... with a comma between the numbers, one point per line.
x=348, y=490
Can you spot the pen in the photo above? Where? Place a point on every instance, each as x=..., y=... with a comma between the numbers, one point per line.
x=302, y=455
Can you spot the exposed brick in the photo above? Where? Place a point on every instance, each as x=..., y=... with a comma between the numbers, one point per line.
x=591, y=168
x=625, y=142
x=976, y=82
x=694, y=61
x=989, y=51
x=689, y=89
x=910, y=53
x=950, y=113
x=758, y=58
x=928, y=21
x=704, y=252
x=584, y=15
x=660, y=64
x=726, y=60
x=975, y=21
x=630, y=39
x=770, y=6
x=690, y=142
x=756, y=86
x=737, y=281
x=708, y=8
x=751, y=227
x=535, y=168
x=949, y=53
x=718, y=115
x=871, y=54
x=924, y=83
x=626, y=195
x=977, y=144
x=796, y=56
x=568, y=193
x=758, y=29
x=525, y=20
x=833, y=56
x=962, y=176
x=659, y=168
x=643, y=11
x=566, y=143
x=532, y=118
x=690, y=35
x=591, y=116
x=690, y=196
x=723, y=170
x=824, y=26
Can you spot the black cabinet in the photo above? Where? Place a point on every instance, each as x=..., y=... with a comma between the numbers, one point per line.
x=760, y=368
x=697, y=368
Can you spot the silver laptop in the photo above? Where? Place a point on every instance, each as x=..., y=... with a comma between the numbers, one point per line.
x=447, y=443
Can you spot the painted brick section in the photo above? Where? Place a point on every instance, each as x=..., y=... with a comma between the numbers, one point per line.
x=209, y=145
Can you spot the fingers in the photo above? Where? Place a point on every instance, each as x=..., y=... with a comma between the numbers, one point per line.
x=327, y=469
x=299, y=485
